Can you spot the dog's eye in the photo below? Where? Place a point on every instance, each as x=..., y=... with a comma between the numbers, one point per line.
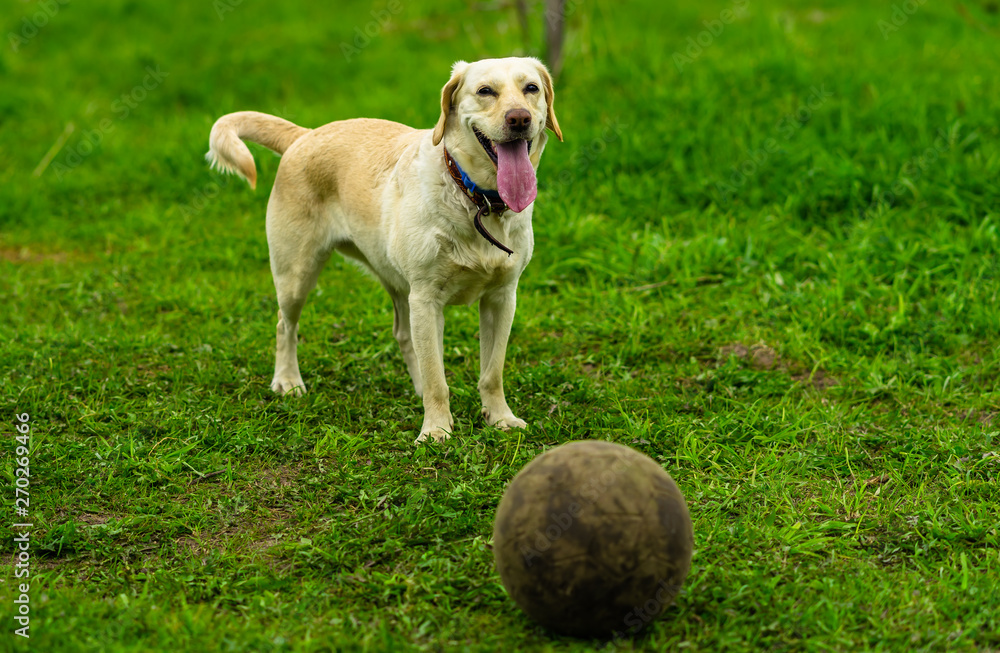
x=530, y=88
x=486, y=90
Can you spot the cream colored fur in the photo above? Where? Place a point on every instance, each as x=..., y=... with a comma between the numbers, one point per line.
x=379, y=193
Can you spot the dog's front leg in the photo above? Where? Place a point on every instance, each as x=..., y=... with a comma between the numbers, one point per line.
x=496, y=314
x=427, y=327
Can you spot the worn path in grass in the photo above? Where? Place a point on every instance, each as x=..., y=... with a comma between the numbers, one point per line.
x=766, y=256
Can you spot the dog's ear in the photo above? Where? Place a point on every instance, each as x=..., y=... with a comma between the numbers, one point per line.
x=550, y=98
x=447, y=95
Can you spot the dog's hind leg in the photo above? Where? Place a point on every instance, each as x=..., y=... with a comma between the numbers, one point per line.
x=401, y=329
x=297, y=257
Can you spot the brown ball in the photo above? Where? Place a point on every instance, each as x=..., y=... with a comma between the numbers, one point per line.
x=593, y=539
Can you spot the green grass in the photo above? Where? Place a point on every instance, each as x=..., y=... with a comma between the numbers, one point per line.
x=773, y=269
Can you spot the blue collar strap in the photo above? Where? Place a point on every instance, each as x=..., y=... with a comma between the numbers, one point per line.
x=487, y=201
x=491, y=195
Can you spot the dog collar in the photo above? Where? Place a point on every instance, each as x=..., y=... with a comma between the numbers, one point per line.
x=488, y=201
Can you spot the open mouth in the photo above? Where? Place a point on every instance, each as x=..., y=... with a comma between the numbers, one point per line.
x=516, y=182
x=490, y=147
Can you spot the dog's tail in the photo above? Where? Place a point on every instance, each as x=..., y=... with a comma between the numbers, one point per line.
x=228, y=153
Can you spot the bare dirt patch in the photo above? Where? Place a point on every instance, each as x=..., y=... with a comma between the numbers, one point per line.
x=25, y=255
x=280, y=476
x=818, y=379
x=94, y=519
x=984, y=417
x=761, y=356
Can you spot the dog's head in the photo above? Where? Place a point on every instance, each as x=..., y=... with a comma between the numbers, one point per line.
x=494, y=113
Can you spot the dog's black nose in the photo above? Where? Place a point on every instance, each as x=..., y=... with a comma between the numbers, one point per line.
x=518, y=119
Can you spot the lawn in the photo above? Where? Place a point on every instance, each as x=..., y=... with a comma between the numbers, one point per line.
x=766, y=256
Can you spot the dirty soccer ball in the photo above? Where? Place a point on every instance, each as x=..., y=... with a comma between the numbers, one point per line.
x=593, y=539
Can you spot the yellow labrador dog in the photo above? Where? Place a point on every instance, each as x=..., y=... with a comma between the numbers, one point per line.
x=439, y=216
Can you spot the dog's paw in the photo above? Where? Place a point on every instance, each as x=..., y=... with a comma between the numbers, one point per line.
x=509, y=423
x=504, y=422
x=438, y=435
x=284, y=386
x=438, y=429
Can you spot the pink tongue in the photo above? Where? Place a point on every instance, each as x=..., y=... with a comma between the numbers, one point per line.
x=515, y=177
